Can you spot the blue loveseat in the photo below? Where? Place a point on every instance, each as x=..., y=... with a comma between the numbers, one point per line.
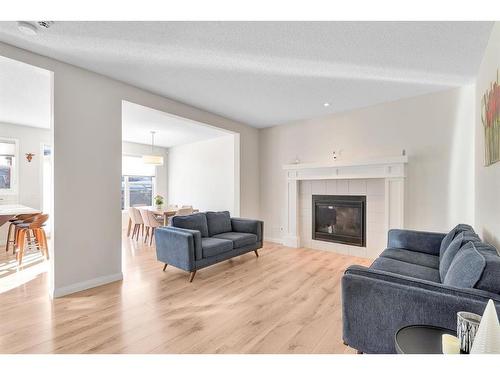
x=421, y=278
x=203, y=239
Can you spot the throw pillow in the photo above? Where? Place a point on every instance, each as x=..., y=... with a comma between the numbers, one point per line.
x=218, y=222
x=466, y=269
x=458, y=242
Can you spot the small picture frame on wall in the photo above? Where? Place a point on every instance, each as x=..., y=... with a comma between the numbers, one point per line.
x=490, y=117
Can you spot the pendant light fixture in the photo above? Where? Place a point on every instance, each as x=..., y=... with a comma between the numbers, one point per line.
x=152, y=159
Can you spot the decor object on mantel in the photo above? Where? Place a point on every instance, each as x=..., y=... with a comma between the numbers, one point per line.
x=336, y=154
x=467, y=325
x=490, y=117
x=487, y=340
x=159, y=201
x=152, y=159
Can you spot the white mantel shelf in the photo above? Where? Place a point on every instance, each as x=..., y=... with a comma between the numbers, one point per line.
x=347, y=163
x=343, y=169
x=391, y=169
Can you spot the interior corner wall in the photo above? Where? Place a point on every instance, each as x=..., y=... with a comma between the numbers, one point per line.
x=435, y=130
x=201, y=174
x=487, y=178
x=87, y=168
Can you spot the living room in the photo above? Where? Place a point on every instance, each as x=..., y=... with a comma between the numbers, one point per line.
x=346, y=200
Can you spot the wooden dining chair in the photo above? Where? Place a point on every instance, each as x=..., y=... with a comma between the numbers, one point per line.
x=135, y=219
x=34, y=228
x=11, y=232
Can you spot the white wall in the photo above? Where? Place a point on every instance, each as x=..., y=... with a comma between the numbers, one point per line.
x=202, y=174
x=30, y=140
x=435, y=130
x=87, y=148
x=487, y=188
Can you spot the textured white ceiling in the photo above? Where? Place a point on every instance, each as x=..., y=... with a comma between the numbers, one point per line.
x=269, y=73
x=25, y=94
x=138, y=122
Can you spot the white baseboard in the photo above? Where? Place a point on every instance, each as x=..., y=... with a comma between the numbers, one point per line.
x=275, y=240
x=87, y=284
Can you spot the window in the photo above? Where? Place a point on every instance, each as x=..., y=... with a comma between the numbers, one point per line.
x=8, y=166
x=138, y=182
x=140, y=190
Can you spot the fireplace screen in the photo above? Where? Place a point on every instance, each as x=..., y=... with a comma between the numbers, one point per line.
x=339, y=218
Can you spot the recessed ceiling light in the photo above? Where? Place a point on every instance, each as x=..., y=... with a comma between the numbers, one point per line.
x=326, y=104
x=27, y=28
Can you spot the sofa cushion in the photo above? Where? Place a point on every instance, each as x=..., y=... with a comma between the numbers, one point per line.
x=414, y=257
x=458, y=242
x=451, y=235
x=239, y=239
x=214, y=246
x=218, y=222
x=466, y=268
x=195, y=222
x=490, y=279
x=406, y=269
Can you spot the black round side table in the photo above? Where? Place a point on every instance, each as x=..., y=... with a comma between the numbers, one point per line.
x=420, y=339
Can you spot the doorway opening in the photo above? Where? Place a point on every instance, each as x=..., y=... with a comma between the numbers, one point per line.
x=26, y=175
x=172, y=166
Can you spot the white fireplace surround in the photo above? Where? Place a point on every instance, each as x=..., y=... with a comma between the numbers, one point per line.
x=392, y=170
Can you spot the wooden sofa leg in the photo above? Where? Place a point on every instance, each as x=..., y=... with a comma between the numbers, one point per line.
x=165, y=266
x=359, y=352
x=191, y=276
x=256, y=253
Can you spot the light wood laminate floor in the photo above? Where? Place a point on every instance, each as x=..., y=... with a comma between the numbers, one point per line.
x=285, y=301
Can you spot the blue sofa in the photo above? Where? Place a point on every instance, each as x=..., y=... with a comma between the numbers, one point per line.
x=203, y=239
x=421, y=278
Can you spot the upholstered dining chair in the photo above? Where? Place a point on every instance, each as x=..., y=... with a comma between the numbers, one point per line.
x=35, y=228
x=135, y=219
x=184, y=211
x=151, y=223
x=145, y=219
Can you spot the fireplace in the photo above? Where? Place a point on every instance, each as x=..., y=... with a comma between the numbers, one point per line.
x=339, y=218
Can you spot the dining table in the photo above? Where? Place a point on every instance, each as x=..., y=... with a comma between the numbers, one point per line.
x=165, y=212
x=8, y=211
